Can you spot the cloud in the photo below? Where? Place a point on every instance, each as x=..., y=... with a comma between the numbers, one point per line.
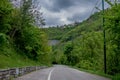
x=60, y=12
x=61, y=4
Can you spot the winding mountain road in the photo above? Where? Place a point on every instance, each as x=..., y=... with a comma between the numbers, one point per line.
x=60, y=72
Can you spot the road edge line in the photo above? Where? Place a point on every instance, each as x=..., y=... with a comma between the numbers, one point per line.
x=50, y=74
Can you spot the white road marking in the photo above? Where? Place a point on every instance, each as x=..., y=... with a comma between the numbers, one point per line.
x=50, y=74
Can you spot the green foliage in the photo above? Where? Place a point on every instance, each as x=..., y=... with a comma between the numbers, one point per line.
x=89, y=49
x=10, y=57
x=57, y=57
x=31, y=42
x=82, y=46
x=68, y=48
x=113, y=28
x=84, y=64
x=116, y=77
x=3, y=39
x=21, y=43
x=5, y=11
x=91, y=24
x=57, y=32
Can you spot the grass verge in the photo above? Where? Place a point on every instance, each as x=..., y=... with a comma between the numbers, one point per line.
x=95, y=72
x=112, y=77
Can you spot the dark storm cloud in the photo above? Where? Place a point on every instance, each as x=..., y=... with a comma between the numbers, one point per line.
x=59, y=12
x=61, y=4
x=58, y=5
x=78, y=17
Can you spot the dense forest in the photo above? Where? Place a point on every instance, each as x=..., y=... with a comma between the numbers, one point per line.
x=57, y=32
x=24, y=43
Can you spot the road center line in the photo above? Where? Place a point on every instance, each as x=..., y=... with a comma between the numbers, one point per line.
x=50, y=74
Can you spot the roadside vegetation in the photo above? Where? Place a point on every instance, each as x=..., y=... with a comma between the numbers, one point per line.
x=22, y=42
x=82, y=46
x=56, y=33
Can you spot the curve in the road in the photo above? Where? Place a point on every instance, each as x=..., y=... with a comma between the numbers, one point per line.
x=50, y=74
x=60, y=72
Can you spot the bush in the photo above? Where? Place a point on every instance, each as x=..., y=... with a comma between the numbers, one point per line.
x=116, y=77
x=84, y=64
x=3, y=39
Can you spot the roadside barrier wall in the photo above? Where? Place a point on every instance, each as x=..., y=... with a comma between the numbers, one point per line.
x=8, y=74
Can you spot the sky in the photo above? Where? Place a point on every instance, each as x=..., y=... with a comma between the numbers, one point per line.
x=60, y=12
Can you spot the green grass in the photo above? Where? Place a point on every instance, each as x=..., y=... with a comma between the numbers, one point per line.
x=96, y=73
x=15, y=61
x=10, y=58
x=116, y=77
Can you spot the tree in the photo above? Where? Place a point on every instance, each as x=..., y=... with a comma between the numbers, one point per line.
x=19, y=33
x=5, y=18
x=113, y=28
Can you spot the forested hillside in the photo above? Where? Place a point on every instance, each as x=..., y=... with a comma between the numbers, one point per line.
x=22, y=43
x=83, y=46
x=56, y=33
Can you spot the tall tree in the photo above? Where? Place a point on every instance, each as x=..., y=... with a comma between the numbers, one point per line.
x=5, y=11
x=113, y=27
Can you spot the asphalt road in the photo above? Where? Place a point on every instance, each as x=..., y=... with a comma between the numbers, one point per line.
x=60, y=72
